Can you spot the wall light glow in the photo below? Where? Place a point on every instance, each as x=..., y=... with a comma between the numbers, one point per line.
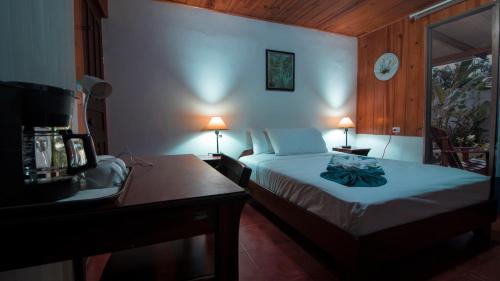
x=208, y=80
x=334, y=92
x=207, y=67
x=334, y=82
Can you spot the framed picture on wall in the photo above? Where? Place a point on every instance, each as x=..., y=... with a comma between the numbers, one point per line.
x=280, y=71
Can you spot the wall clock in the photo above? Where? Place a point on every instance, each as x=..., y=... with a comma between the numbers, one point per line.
x=386, y=66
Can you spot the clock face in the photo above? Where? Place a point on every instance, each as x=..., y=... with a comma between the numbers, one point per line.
x=386, y=66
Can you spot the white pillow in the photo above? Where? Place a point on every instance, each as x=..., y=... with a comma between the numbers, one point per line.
x=260, y=142
x=296, y=141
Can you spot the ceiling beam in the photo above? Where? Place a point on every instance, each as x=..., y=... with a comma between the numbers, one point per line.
x=461, y=56
x=451, y=41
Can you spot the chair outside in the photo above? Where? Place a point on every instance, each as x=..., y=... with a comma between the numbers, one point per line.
x=450, y=154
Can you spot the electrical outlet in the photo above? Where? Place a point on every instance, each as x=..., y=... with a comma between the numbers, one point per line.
x=396, y=130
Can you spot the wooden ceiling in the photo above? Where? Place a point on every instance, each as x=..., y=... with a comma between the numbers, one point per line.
x=349, y=17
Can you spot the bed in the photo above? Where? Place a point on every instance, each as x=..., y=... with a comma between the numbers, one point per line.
x=361, y=228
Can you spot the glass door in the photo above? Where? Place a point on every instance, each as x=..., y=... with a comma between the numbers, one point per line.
x=461, y=99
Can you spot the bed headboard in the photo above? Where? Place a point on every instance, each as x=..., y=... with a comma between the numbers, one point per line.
x=246, y=153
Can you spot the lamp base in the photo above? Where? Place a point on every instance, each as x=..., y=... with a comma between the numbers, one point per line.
x=216, y=154
x=346, y=146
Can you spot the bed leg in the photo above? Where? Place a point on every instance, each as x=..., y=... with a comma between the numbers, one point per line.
x=483, y=233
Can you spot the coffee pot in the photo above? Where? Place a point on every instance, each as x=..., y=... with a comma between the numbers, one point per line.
x=41, y=156
x=53, y=154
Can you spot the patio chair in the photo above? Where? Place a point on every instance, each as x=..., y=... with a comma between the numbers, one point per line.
x=449, y=154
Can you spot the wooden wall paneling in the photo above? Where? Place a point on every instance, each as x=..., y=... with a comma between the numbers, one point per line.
x=380, y=88
x=399, y=81
x=405, y=92
x=369, y=95
x=396, y=91
x=415, y=77
x=362, y=125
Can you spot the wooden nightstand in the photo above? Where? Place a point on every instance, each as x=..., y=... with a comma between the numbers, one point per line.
x=357, y=151
x=210, y=159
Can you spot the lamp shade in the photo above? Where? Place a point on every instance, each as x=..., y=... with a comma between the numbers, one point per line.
x=346, y=122
x=216, y=123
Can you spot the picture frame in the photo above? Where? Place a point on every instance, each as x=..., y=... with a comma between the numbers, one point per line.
x=280, y=71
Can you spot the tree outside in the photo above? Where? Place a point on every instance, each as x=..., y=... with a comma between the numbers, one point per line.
x=461, y=98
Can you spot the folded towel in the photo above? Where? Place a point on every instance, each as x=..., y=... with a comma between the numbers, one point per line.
x=354, y=170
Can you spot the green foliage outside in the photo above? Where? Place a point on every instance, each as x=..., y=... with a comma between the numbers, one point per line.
x=461, y=101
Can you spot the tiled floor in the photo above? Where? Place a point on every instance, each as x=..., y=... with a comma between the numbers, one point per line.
x=268, y=253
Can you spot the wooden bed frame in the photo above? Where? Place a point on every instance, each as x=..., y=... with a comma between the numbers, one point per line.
x=356, y=255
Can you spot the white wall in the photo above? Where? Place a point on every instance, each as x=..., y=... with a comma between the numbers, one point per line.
x=37, y=42
x=172, y=66
x=400, y=147
x=37, y=45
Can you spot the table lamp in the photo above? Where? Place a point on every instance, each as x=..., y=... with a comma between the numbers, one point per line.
x=346, y=123
x=216, y=124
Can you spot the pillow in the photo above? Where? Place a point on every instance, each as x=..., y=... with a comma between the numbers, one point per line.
x=297, y=141
x=260, y=142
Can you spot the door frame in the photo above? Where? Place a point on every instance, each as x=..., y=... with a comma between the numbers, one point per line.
x=495, y=7
x=495, y=48
x=88, y=15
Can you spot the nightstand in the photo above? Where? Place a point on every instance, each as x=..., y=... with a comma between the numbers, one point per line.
x=357, y=151
x=210, y=159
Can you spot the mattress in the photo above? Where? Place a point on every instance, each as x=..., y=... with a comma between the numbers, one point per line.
x=413, y=191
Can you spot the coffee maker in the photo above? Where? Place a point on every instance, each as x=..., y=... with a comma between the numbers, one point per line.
x=40, y=156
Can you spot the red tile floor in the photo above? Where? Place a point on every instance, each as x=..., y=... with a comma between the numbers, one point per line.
x=269, y=252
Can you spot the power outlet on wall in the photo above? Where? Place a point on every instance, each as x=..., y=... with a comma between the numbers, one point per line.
x=396, y=130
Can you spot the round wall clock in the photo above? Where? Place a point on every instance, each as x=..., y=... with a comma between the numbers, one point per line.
x=386, y=66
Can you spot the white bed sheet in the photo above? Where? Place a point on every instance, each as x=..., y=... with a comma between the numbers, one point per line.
x=413, y=191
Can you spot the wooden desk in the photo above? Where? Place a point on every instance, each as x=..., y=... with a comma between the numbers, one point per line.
x=180, y=196
x=210, y=159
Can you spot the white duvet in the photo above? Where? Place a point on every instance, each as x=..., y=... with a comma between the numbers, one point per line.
x=413, y=191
